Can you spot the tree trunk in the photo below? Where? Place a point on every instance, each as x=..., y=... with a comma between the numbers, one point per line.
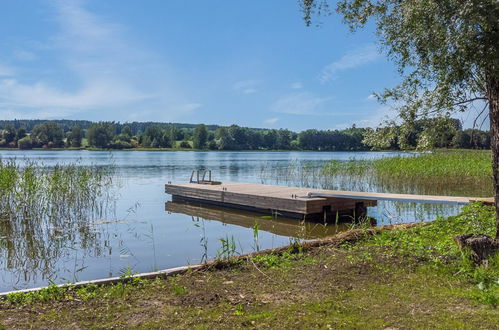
x=493, y=98
x=481, y=247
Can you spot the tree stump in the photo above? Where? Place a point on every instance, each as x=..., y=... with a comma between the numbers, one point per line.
x=480, y=246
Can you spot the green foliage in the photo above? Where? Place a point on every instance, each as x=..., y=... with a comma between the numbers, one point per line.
x=274, y=260
x=47, y=135
x=350, y=139
x=200, y=137
x=42, y=207
x=256, y=228
x=426, y=134
x=24, y=143
x=445, y=49
x=227, y=248
x=52, y=292
x=459, y=164
x=101, y=134
x=156, y=137
x=434, y=170
x=436, y=238
x=74, y=137
x=433, y=242
x=167, y=135
x=177, y=289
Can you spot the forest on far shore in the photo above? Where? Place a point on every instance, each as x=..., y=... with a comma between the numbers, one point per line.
x=421, y=134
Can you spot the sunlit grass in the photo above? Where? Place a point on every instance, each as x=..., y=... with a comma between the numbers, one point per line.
x=455, y=164
x=448, y=172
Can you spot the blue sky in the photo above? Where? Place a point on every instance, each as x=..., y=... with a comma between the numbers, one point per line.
x=251, y=63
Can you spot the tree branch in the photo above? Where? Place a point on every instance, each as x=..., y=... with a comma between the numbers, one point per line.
x=471, y=100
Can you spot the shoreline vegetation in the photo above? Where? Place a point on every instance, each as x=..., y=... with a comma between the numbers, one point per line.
x=408, y=276
x=440, y=172
x=426, y=134
x=397, y=276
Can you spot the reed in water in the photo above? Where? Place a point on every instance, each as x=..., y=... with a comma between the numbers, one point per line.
x=45, y=209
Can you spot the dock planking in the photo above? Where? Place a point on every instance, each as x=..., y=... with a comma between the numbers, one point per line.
x=295, y=202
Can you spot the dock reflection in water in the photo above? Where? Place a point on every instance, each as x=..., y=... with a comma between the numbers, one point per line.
x=275, y=225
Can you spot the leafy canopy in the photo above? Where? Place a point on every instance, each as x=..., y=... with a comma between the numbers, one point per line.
x=446, y=50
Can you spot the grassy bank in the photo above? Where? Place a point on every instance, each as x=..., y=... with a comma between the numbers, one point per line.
x=446, y=164
x=400, y=278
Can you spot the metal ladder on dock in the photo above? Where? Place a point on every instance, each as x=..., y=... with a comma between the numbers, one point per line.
x=203, y=177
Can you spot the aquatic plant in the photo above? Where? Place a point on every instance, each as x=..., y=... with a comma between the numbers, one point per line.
x=45, y=209
x=461, y=172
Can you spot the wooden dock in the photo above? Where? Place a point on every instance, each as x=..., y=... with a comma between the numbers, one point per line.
x=293, y=202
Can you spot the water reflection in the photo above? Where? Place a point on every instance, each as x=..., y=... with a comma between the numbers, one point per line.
x=276, y=225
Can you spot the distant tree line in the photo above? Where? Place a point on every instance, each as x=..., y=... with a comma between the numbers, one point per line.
x=434, y=133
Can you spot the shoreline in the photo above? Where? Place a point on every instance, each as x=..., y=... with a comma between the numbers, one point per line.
x=350, y=236
x=206, y=150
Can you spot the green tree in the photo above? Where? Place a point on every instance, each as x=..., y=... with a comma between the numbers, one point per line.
x=24, y=143
x=101, y=134
x=224, y=140
x=200, y=137
x=21, y=133
x=447, y=52
x=48, y=135
x=126, y=131
x=9, y=133
x=75, y=136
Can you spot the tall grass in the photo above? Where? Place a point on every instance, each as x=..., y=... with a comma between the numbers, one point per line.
x=461, y=172
x=45, y=209
x=448, y=165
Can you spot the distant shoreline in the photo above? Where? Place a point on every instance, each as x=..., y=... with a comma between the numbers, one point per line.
x=192, y=150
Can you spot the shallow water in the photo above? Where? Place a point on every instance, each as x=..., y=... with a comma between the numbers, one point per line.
x=145, y=231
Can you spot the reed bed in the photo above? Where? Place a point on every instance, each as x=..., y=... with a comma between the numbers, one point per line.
x=45, y=209
x=466, y=173
x=444, y=165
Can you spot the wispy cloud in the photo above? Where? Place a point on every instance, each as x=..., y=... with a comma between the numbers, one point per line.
x=270, y=121
x=5, y=70
x=350, y=60
x=108, y=72
x=24, y=55
x=304, y=103
x=296, y=85
x=246, y=86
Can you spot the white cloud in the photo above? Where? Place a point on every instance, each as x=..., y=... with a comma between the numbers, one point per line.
x=296, y=85
x=371, y=97
x=5, y=70
x=106, y=69
x=246, y=86
x=270, y=121
x=350, y=60
x=304, y=103
x=98, y=94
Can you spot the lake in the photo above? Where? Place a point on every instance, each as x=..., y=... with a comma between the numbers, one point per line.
x=144, y=231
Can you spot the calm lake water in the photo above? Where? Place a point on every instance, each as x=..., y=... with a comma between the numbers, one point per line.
x=145, y=231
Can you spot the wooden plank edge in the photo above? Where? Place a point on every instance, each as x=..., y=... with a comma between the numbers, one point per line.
x=111, y=280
